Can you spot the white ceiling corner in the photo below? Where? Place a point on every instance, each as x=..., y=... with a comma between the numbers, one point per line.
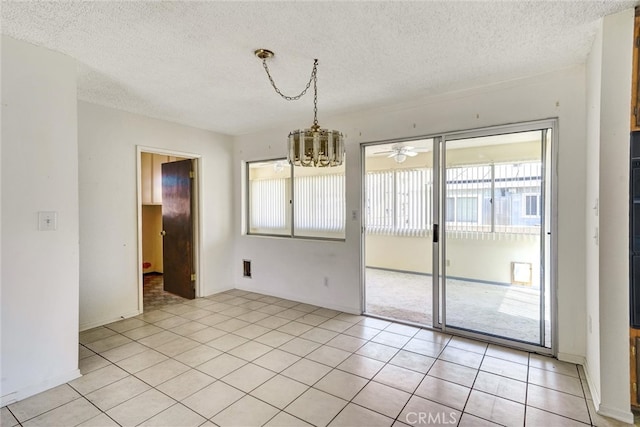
x=193, y=63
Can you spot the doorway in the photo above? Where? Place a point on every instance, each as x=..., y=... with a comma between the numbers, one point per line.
x=168, y=227
x=458, y=233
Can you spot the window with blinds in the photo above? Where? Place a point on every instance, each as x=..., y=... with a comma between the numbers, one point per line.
x=268, y=198
x=319, y=206
x=399, y=201
x=305, y=202
x=497, y=198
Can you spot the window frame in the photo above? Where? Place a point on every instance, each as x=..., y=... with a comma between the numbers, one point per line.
x=525, y=205
x=290, y=209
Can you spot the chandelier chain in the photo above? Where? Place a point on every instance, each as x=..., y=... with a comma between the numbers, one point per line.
x=312, y=79
x=311, y=147
x=315, y=94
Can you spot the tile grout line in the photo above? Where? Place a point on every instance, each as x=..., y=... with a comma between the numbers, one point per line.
x=320, y=345
x=526, y=390
x=304, y=357
x=462, y=412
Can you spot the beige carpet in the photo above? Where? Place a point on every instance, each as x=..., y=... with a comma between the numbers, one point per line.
x=507, y=311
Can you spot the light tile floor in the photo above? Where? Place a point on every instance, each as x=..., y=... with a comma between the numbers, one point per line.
x=245, y=359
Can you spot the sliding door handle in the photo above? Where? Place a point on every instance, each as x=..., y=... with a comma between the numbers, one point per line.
x=436, y=233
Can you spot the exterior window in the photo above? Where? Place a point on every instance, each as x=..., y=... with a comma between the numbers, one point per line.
x=312, y=199
x=497, y=198
x=531, y=205
x=319, y=202
x=398, y=201
x=451, y=209
x=269, y=194
x=467, y=209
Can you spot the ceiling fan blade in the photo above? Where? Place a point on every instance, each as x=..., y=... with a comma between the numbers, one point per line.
x=410, y=153
x=394, y=154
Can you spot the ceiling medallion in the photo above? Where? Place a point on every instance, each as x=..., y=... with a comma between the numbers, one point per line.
x=311, y=147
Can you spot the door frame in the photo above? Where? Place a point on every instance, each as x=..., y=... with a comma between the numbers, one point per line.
x=197, y=214
x=551, y=198
x=363, y=210
x=439, y=266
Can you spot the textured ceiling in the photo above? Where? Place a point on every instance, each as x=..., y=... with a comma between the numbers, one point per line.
x=193, y=63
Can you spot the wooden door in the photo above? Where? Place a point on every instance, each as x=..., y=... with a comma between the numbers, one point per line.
x=177, y=225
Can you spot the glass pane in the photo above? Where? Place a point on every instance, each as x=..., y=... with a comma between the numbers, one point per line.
x=467, y=209
x=268, y=184
x=319, y=202
x=493, y=248
x=451, y=209
x=398, y=218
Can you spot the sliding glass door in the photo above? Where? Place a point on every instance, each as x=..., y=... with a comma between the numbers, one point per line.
x=494, y=218
x=458, y=234
x=398, y=223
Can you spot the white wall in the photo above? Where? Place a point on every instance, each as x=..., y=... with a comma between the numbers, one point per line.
x=109, y=269
x=485, y=257
x=594, y=86
x=296, y=268
x=617, y=53
x=39, y=323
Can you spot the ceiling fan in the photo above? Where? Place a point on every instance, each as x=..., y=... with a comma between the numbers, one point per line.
x=400, y=152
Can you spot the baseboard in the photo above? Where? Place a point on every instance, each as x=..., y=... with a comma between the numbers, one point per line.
x=29, y=391
x=571, y=358
x=285, y=295
x=218, y=290
x=602, y=408
x=615, y=413
x=95, y=324
x=595, y=392
x=464, y=279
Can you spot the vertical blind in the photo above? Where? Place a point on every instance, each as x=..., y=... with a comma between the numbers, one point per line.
x=268, y=205
x=413, y=212
x=500, y=198
x=399, y=201
x=380, y=198
x=318, y=206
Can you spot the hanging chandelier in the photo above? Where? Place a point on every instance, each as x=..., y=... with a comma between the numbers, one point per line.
x=311, y=147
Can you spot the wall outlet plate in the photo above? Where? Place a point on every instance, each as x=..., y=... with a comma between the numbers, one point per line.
x=47, y=221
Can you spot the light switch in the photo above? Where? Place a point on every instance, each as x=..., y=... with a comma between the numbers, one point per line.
x=47, y=221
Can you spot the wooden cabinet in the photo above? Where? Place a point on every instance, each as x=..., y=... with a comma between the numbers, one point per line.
x=635, y=85
x=151, y=176
x=634, y=336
